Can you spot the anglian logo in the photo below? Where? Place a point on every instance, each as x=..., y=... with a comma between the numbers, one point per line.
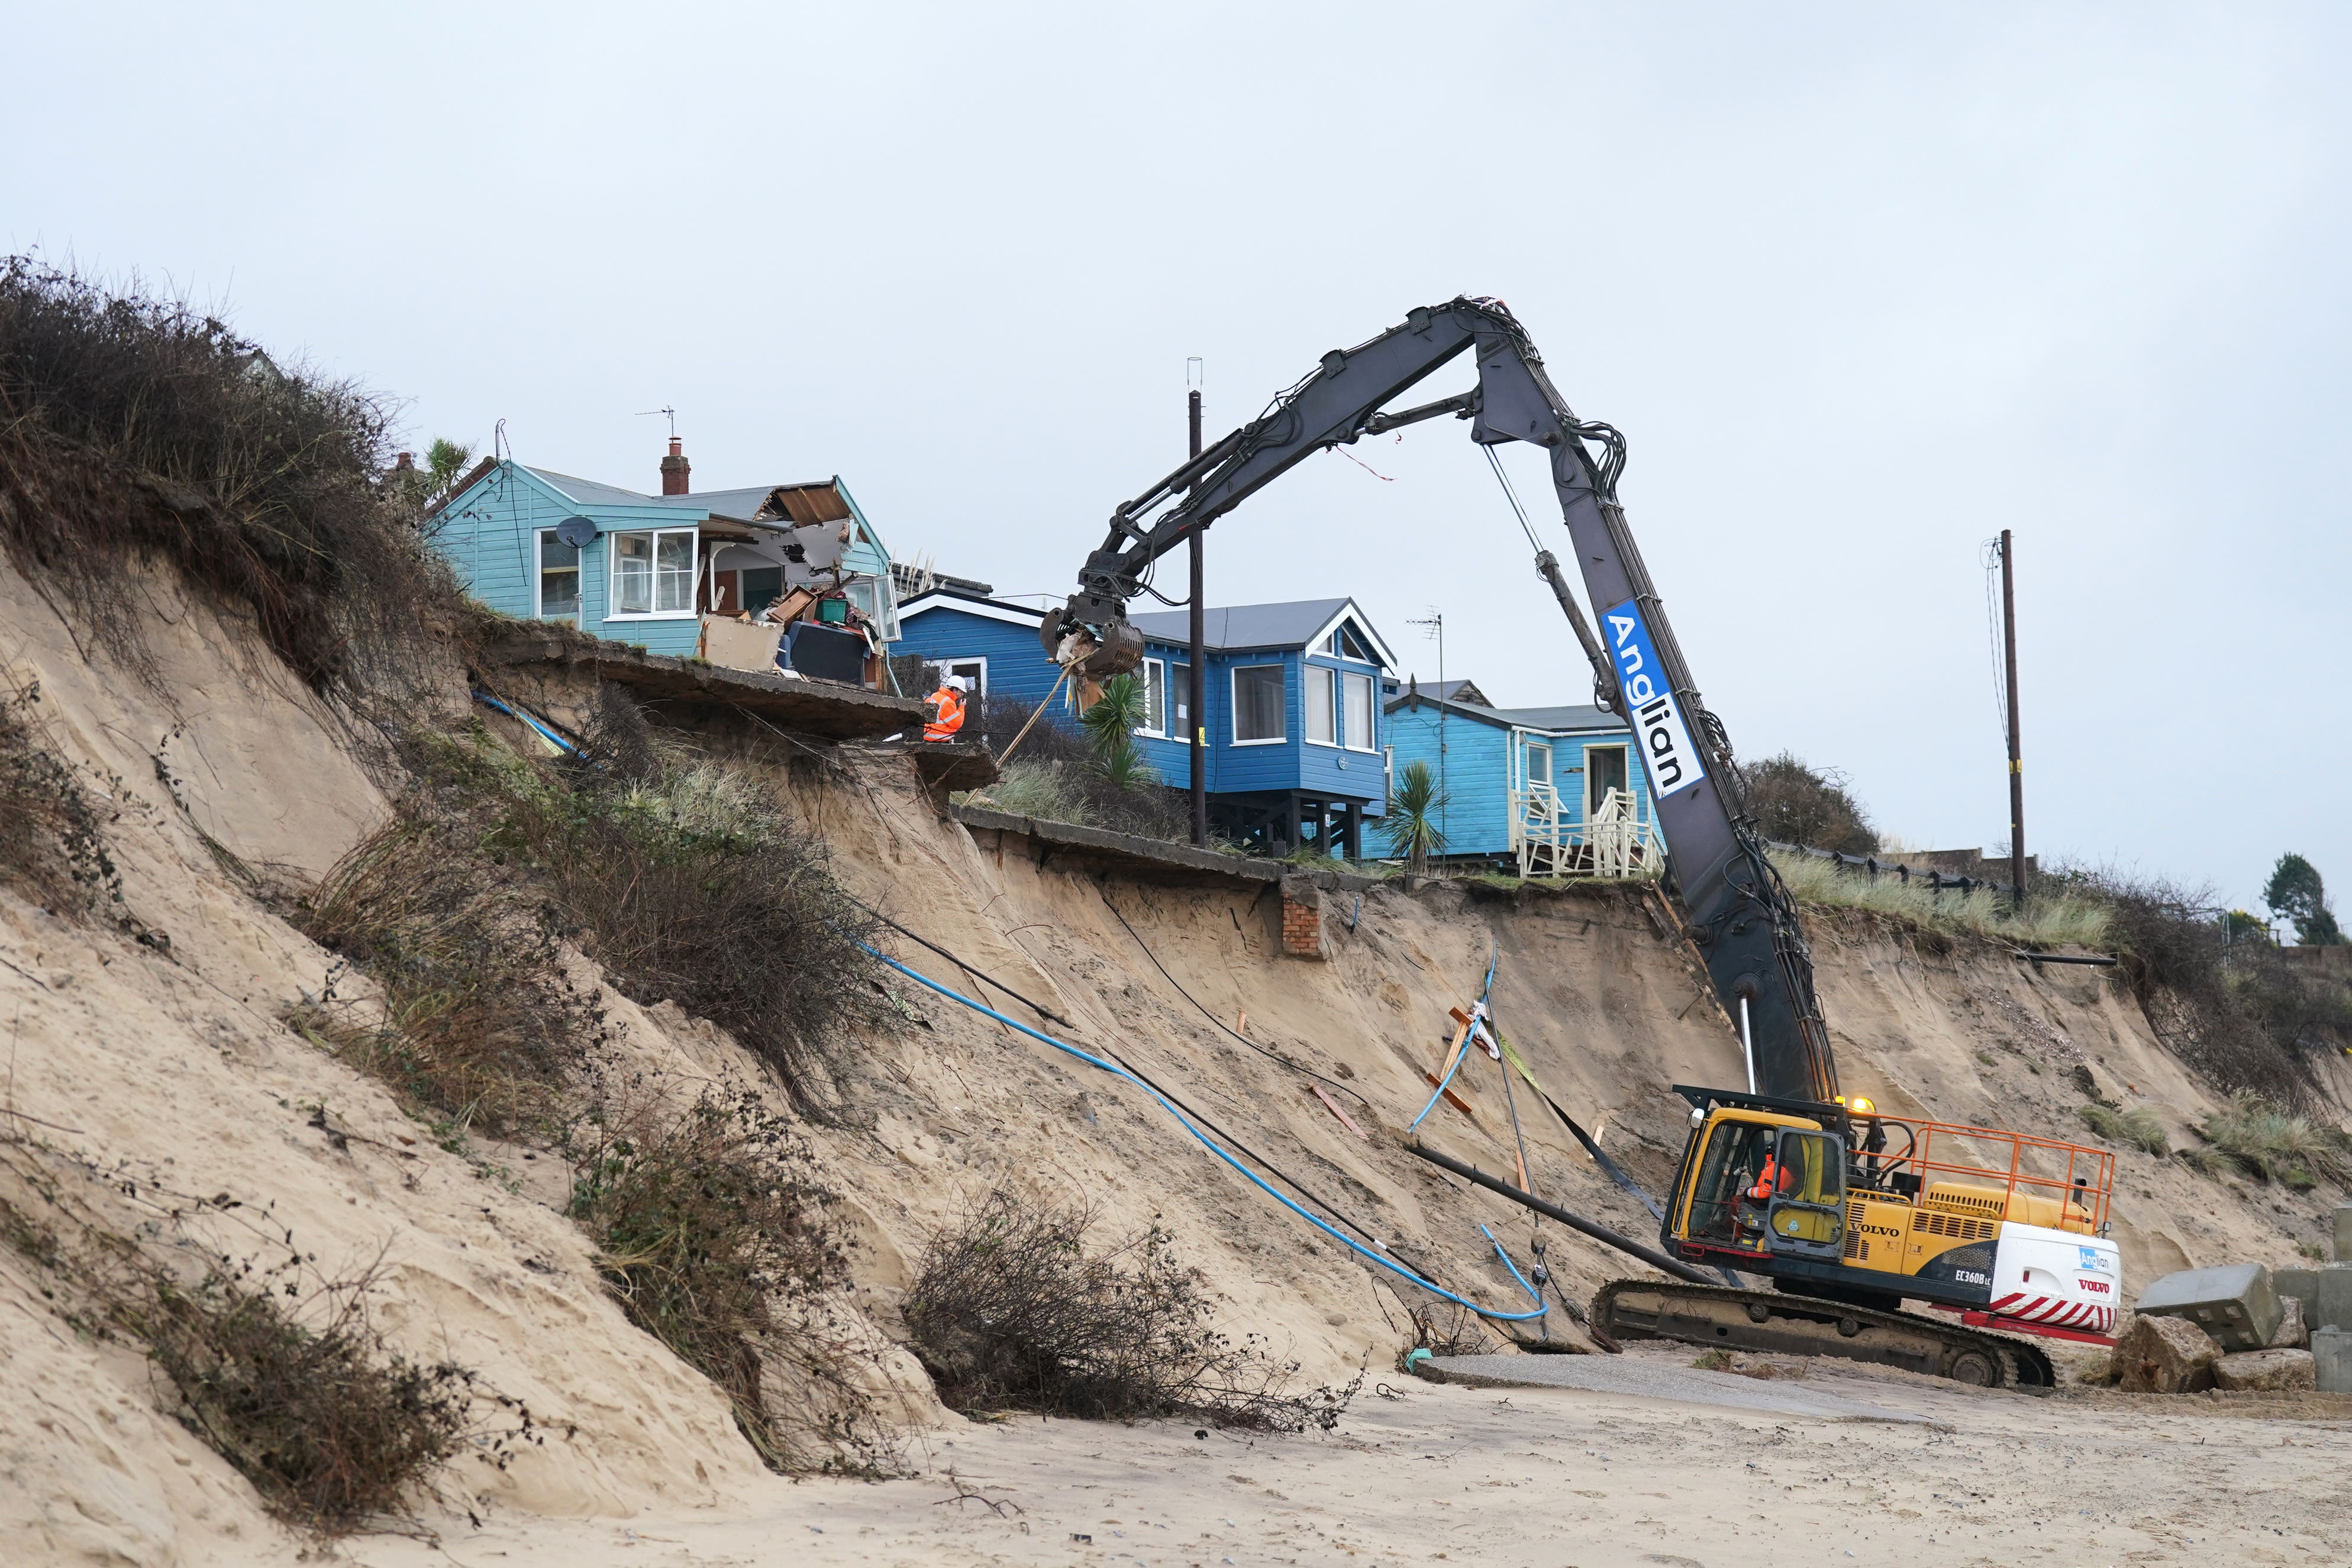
x=1649, y=695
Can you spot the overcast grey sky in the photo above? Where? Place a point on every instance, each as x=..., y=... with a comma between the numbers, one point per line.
x=1862, y=285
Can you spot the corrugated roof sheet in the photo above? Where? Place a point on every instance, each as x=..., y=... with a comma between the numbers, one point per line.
x=1572, y=716
x=588, y=492
x=1245, y=626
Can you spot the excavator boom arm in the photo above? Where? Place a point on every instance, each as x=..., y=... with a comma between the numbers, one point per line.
x=1739, y=913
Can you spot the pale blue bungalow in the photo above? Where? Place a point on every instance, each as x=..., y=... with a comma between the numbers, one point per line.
x=644, y=569
x=1547, y=790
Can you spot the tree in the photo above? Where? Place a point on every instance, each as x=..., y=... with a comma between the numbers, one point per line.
x=1798, y=803
x=2295, y=893
x=445, y=465
x=1110, y=725
x=1410, y=825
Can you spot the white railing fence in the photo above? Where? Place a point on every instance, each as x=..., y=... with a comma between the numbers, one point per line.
x=1613, y=842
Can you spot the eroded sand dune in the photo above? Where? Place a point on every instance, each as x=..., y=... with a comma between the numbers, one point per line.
x=154, y=1073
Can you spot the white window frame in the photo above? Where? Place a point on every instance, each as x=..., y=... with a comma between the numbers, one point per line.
x=613, y=575
x=1155, y=679
x=1372, y=713
x=1233, y=708
x=538, y=580
x=1181, y=688
x=951, y=665
x=1331, y=679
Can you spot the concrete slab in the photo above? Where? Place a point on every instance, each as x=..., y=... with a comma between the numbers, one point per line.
x=2235, y=1303
x=1638, y=1378
x=2344, y=1234
x=2331, y=1355
x=2326, y=1293
x=823, y=709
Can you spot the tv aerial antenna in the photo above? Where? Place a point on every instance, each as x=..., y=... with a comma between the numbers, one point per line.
x=665, y=412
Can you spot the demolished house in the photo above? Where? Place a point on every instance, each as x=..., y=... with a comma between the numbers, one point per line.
x=790, y=577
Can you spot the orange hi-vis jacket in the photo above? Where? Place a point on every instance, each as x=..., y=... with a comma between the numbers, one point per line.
x=950, y=715
x=1771, y=1179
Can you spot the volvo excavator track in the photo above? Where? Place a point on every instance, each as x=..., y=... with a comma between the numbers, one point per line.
x=1788, y=1324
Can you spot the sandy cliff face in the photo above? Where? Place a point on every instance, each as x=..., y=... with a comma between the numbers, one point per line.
x=148, y=1073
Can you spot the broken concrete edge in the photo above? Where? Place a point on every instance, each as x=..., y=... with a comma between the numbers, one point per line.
x=823, y=709
x=1157, y=855
x=945, y=766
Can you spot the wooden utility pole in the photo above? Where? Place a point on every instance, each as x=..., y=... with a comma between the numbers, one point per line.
x=1196, y=699
x=2016, y=757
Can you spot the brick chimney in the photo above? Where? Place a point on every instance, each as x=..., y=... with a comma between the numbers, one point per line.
x=675, y=469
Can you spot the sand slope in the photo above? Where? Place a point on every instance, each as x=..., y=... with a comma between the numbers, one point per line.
x=165, y=1069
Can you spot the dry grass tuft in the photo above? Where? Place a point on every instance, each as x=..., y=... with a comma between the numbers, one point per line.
x=479, y=1025
x=2275, y=1145
x=2139, y=1127
x=2050, y=919
x=1013, y=1309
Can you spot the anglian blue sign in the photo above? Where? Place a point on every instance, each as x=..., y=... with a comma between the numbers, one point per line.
x=1650, y=703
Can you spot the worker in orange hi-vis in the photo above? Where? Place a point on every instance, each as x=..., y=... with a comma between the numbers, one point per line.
x=949, y=702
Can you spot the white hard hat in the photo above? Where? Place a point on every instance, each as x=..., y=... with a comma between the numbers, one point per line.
x=959, y=682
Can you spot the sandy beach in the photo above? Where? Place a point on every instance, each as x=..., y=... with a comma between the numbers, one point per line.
x=1551, y=1478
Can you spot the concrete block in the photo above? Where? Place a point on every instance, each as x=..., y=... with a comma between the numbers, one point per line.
x=2326, y=1293
x=2331, y=1355
x=2234, y=1303
x=2344, y=1233
x=2269, y=1370
x=2165, y=1355
x=2290, y=1334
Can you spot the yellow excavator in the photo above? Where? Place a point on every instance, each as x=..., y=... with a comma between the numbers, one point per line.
x=1848, y=1211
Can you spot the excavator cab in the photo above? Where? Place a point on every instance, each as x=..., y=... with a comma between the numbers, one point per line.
x=1763, y=1183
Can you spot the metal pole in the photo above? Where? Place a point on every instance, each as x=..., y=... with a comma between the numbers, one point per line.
x=2016, y=762
x=1600, y=1233
x=1197, y=700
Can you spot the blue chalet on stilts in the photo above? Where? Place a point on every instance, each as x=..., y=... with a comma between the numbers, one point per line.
x=1548, y=792
x=1297, y=739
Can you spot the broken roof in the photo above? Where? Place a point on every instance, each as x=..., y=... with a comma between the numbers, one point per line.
x=815, y=500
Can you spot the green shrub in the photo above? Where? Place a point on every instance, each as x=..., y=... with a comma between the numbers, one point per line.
x=1013, y=1307
x=51, y=851
x=278, y=1369
x=133, y=425
x=706, y=1217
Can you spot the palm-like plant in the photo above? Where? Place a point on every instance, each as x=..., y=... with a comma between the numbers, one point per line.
x=1110, y=725
x=1410, y=825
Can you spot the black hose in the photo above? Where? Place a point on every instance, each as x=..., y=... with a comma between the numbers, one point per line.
x=1282, y=1061
x=1600, y=1233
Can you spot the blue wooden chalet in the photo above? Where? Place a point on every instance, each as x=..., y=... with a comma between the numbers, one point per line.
x=644, y=569
x=1551, y=791
x=1296, y=735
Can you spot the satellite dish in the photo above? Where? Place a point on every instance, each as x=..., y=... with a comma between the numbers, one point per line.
x=576, y=532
